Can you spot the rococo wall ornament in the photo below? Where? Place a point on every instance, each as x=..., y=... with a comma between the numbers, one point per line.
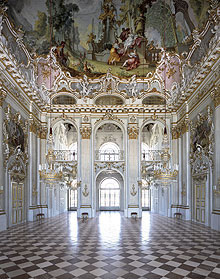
x=202, y=137
x=15, y=136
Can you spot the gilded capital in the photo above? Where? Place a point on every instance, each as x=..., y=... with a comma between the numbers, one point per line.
x=3, y=95
x=133, y=132
x=175, y=133
x=215, y=94
x=85, y=132
x=33, y=126
x=43, y=132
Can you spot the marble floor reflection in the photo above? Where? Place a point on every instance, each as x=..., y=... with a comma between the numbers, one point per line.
x=110, y=246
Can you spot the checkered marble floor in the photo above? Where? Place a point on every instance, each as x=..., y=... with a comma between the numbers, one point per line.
x=110, y=246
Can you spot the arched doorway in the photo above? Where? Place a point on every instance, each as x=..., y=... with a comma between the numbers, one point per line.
x=109, y=194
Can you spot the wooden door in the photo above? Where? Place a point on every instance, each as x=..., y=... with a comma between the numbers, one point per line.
x=17, y=203
x=200, y=196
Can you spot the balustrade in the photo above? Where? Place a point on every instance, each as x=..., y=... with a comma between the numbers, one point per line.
x=109, y=156
x=65, y=155
x=152, y=155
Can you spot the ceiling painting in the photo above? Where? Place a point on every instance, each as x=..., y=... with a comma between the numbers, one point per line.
x=90, y=36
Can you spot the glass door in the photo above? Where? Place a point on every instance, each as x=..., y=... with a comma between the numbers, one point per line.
x=109, y=195
x=72, y=197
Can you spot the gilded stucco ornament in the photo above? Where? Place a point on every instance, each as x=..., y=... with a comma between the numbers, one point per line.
x=3, y=95
x=109, y=166
x=33, y=126
x=85, y=131
x=43, y=132
x=133, y=131
x=202, y=139
x=215, y=94
x=15, y=136
x=17, y=164
x=181, y=128
x=109, y=116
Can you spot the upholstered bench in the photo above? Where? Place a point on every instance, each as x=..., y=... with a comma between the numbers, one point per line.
x=85, y=216
x=40, y=216
x=178, y=215
x=134, y=215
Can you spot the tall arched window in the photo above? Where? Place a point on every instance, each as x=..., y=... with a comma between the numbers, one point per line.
x=109, y=194
x=109, y=151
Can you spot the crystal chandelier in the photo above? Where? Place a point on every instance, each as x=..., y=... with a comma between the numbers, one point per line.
x=164, y=173
x=49, y=173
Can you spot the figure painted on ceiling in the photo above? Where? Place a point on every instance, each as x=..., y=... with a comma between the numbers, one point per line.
x=124, y=34
x=114, y=54
x=132, y=62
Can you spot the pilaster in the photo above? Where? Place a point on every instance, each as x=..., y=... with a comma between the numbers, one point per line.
x=215, y=219
x=2, y=176
x=86, y=176
x=134, y=190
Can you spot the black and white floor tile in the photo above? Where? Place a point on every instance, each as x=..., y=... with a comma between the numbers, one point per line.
x=110, y=246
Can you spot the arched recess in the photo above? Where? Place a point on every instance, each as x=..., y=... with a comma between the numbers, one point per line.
x=201, y=184
x=107, y=197
x=152, y=133
x=16, y=188
x=112, y=133
x=65, y=136
x=66, y=147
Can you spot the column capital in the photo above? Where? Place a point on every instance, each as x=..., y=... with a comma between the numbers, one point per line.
x=86, y=130
x=3, y=95
x=215, y=94
x=133, y=131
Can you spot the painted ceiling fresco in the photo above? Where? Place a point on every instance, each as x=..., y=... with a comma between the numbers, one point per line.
x=91, y=36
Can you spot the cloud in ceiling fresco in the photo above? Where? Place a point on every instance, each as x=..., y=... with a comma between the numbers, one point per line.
x=91, y=36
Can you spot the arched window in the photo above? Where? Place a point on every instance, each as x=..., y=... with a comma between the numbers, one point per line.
x=109, y=197
x=109, y=151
